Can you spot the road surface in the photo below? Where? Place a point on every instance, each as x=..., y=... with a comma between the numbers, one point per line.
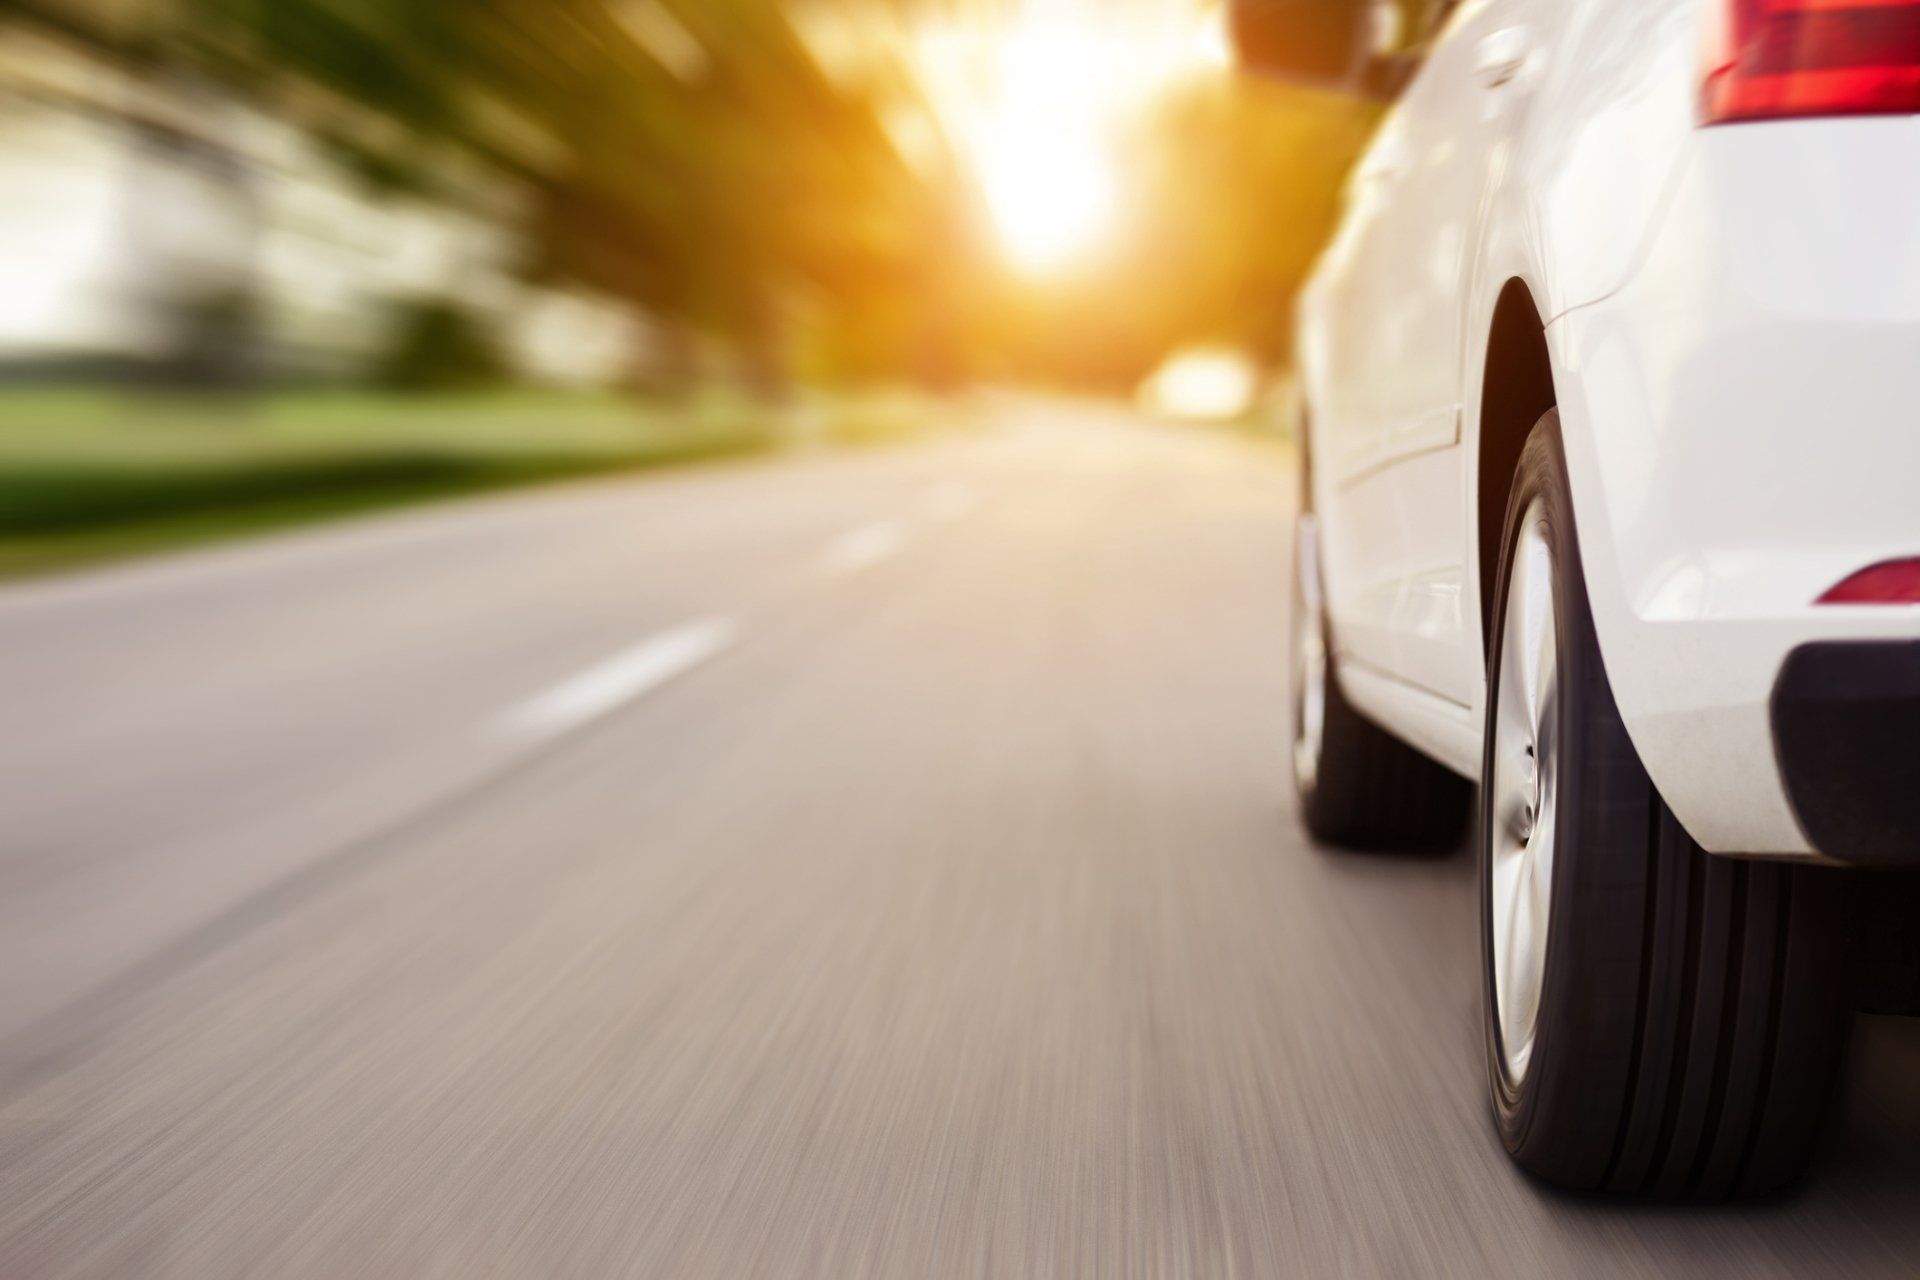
x=860, y=865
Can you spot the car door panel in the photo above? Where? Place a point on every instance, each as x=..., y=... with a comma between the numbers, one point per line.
x=1456, y=124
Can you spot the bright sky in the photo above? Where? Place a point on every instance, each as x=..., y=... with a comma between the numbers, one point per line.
x=1037, y=97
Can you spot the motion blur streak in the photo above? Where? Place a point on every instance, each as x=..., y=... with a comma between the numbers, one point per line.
x=954, y=922
x=644, y=194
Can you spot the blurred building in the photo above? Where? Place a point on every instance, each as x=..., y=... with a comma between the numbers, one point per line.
x=163, y=224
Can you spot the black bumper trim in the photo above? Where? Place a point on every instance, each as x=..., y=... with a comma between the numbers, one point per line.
x=1846, y=731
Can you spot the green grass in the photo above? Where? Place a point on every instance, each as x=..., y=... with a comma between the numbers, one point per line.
x=87, y=474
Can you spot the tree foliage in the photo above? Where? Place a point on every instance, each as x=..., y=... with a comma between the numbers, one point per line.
x=736, y=189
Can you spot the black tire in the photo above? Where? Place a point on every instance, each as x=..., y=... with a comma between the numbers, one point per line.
x=1363, y=787
x=1692, y=1008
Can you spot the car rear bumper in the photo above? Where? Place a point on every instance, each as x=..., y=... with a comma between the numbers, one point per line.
x=1743, y=431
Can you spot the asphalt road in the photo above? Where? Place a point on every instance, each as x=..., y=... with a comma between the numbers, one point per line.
x=874, y=864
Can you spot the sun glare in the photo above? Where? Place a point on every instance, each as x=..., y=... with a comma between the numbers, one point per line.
x=1050, y=192
x=1037, y=101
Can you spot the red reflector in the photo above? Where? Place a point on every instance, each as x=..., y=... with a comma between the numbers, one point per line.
x=1894, y=582
x=1773, y=58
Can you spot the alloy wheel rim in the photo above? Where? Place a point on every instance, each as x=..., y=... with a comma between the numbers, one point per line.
x=1524, y=789
x=1310, y=675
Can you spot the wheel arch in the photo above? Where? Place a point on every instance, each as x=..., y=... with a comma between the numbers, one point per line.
x=1516, y=388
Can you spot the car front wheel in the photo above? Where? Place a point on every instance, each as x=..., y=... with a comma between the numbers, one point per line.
x=1357, y=785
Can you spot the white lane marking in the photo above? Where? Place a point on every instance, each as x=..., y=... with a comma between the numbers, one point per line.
x=863, y=548
x=623, y=677
x=951, y=500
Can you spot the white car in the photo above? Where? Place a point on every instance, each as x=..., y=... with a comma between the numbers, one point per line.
x=1611, y=393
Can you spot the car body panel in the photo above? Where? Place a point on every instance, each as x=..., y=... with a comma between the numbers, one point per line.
x=1743, y=431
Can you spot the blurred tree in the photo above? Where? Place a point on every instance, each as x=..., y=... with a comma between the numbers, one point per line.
x=701, y=159
x=439, y=346
x=709, y=175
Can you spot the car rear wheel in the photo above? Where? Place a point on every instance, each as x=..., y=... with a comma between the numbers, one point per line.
x=1357, y=785
x=1659, y=1021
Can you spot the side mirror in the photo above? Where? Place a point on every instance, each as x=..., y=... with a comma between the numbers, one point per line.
x=1333, y=45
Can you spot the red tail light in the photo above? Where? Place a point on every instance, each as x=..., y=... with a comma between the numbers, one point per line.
x=1894, y=582
x=1774, y=58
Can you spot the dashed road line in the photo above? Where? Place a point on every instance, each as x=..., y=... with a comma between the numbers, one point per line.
x=864, y=547
x=622, y=678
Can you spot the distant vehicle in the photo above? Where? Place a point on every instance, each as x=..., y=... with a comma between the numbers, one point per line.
x=1611, y=393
